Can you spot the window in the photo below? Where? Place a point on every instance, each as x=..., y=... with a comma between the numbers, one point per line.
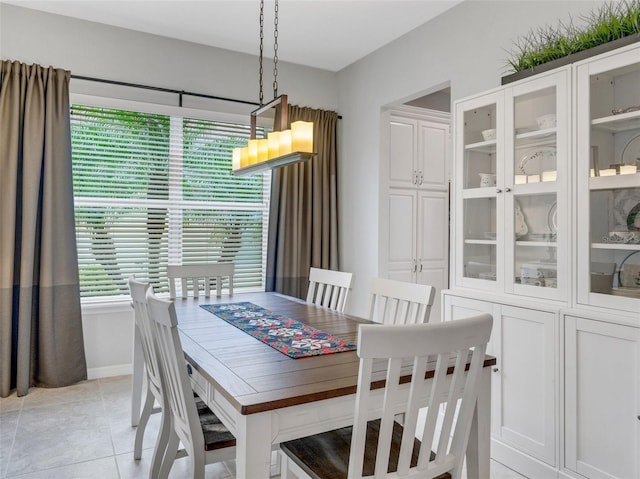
x=152, y=190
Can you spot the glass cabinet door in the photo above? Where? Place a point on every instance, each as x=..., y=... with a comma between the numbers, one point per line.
x=479, y=146
x=536, y=196
x=608, y=169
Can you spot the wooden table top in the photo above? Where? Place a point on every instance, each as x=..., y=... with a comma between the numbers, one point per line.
x=253, y=376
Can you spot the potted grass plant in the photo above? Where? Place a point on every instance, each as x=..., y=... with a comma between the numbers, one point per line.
x=611, y=26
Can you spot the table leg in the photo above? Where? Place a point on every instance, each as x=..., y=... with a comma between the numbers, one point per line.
x=136, y=381
x=479, y=445
x=253, y=446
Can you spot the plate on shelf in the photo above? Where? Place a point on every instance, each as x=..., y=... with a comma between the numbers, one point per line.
x=633, y=218
x=629, y=276
x=552, y=218
x=542, y=159
x=631, y=152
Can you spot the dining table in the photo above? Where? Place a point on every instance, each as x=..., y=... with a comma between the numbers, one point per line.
x=265, y=397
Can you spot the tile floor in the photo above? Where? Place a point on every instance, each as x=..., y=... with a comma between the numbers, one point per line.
x=84, y=432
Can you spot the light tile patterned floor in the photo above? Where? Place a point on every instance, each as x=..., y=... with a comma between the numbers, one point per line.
x=84, y=432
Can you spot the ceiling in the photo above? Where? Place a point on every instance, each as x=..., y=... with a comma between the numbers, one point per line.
x=326, y=34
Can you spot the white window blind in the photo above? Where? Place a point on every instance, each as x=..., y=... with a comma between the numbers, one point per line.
x=152, y=190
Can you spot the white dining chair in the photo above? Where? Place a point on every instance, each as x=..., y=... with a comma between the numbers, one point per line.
x=200, y=276
x=138, y=291
x=329, y=288
x=187, y=418
x=397, y=302
x=376, y=443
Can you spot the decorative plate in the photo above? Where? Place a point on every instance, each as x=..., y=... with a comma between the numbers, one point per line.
x=543, y=159
x=629, y=274
x=633, y=218
x=552, y=218
x=631, y=152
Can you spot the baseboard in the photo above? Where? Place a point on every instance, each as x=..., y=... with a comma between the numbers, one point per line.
x=521, y=463
x=110, y=371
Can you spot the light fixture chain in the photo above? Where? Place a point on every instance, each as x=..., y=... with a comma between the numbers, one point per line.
x=275, y=51
x=261, y=95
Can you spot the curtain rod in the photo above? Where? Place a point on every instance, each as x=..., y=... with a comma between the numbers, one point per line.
x=162, y=89
x=180, y=93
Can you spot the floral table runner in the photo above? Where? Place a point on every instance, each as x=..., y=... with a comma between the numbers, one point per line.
x=290, y=337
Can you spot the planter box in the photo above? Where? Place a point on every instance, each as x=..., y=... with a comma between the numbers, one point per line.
x=559, y=62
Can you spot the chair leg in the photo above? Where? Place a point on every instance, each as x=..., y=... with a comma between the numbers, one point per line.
x=169, y=456
x=147, y=410
x=197, y=462
x=160, y=451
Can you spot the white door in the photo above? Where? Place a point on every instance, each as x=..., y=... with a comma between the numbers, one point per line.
x=602, y=395
x=524, y=341
x=433, y=245
x=401, y=255
x=403, y=149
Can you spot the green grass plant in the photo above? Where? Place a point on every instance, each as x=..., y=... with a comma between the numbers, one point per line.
x=610, y=22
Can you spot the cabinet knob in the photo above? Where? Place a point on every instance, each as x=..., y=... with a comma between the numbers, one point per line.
x=495, y=370
x=507, y=190
x=189, y=370
x=498, y=190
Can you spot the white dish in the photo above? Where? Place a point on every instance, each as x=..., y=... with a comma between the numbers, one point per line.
x=489, y=134
x=552, y=218
x=631, y=152
x=546, y=121
x=543, y=159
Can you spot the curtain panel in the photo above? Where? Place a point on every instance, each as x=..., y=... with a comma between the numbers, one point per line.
x=303, y=221
x=41, y=341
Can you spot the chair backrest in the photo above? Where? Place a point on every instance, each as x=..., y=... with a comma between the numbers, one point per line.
x=138, y=291
x=200, y=272
x=329, y=288
x=406, y=349
x=397, y=302
x=177, y=392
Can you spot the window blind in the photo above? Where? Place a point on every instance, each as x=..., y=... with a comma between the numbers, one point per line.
x=152, y=190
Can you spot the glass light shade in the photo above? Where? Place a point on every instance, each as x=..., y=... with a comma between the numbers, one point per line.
x=273, y=139
x=253, y=151
x=302, y=136
x=235, y=159
x=244, y=157
x=285, y=142
x=263, y=150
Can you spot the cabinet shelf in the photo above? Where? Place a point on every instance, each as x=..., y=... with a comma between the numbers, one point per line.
x=616, y=246
x=480, y=241
x=614, y=182
x=618, y=123
x=545, y=244
x=537, y=138
x=482, y=146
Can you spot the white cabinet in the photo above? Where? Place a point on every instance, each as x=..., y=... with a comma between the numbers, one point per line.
x=602, y=397
x=511, y=159
x=416, y=150
x=414, y=226
x=546, y=237
x=418, y=243
x=524, y=384
x=608, y=180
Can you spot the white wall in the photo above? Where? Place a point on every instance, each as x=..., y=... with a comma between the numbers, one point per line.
x=464, y=47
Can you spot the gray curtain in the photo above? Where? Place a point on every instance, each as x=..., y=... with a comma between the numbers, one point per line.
x=41, y=342
x=303, y=217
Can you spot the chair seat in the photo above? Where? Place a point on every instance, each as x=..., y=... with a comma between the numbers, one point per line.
x=216, y=435
x=326, y=455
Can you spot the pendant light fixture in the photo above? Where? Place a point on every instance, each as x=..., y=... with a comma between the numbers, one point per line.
x=285, y=144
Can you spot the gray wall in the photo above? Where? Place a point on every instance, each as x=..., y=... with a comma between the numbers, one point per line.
x=464, y=49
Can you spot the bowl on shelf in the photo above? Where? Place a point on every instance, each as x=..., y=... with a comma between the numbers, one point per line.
x=487, y=179
x=546, y=121
x=489, y=134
